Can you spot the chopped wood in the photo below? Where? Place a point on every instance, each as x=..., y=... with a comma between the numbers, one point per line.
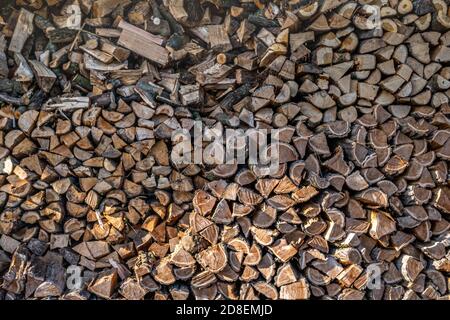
x=45, y=77
x=143, y=43
x=114, y=116
x=23, y=29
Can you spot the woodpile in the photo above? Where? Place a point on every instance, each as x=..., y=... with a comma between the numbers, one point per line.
x=93, y=206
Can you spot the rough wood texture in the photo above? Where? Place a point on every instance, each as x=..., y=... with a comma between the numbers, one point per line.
x=23, y=29
x=143, y=43
x=97, y=98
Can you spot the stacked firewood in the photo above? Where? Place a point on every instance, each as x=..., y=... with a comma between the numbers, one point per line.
x=93, y=206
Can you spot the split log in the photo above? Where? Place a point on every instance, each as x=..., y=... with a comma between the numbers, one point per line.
x=22, y=30
x=143, y=43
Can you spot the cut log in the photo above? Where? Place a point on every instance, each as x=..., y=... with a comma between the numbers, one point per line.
x=295, y=291
x=104, y=285
x=23, y=29
x=143, y=43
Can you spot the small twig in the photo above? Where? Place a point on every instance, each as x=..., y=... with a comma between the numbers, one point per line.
x=62, y=107
x=99, y=219
x=76, y=37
